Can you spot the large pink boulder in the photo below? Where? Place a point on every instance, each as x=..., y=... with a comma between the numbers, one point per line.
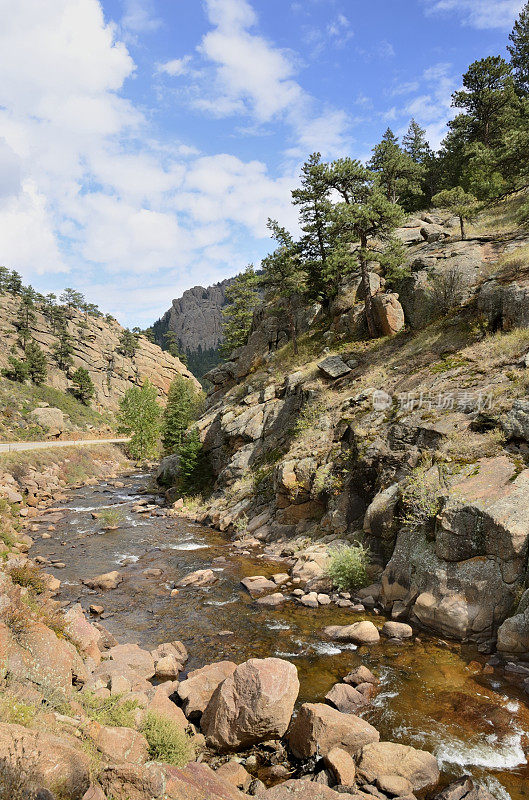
x=318, y=728
x=252, y=705
x=198, y=688
x=390, y=758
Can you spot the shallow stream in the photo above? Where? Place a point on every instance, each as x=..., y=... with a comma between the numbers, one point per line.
x=434, y=694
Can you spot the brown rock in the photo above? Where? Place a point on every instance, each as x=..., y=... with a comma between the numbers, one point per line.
x=105, y=582
x=341, y=765
x=318, y=728
x=161, y=704
x=397, y=630
x=252, y=705
x=82, y=633
x=304, y=790
x=257, y=585
x=94, y=793
x=272, y=600
x=345, y=698
x=196, y=691
x=54, y=760
x=201, y=577
x=119, y=744
x=394, y=785
x=359, y=632
x=389, y=314
x=389, y=758
x=234, y=773
x=198, y=782
x=360, y=675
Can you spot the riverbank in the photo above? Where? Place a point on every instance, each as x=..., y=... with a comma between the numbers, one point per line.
x=433, y=696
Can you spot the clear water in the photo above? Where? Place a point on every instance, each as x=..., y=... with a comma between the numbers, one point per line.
x=433, y=694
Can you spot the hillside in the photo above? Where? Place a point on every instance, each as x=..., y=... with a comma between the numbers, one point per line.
x=414, y=443
x=95, y=343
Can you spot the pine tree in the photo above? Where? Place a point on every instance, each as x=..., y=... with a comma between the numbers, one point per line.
x=365, y=213
x=139, y=415
x=72, y=300
x=128, y=344
x=36, y=363
x=4, y=279
x=191, y=464
x=519, y=51
x=415, y=143
x=63, y=349
x=460, y=203
x=316, y=223
x=14, y=283
x=182, y=405
x=17, y=370
x=284, y=276
x=397, y=171
x=242, y=298
x=83, y=388
x=488, y=97
x=26, y=316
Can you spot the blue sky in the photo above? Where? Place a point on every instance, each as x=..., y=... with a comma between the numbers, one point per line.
x=144, y=143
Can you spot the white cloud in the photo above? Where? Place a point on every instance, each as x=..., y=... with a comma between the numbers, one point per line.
x=254, y=77
x=480, y=14
x=340, y=30
x=177, y=66
x=433, y=107
x=87, y=188
x=139, y=17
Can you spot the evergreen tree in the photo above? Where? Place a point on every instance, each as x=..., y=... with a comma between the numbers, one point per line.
x=128, y=344
x=139, y=415
x=519, y=51
x=26, y=316
x=36, y=363
x=365, y=213
x=488, y=98
x=63, y=349
x=316, y=223
x=182, y=406
x=14, y=283
x=397, y=171
x=415, y=144
x=4, y=279
x=173, y=346
x=192, y=466
x=72, y=299
x=17, y=370
x=83, y=388
x=284, y=276
x=460, y=203
x=242, y=298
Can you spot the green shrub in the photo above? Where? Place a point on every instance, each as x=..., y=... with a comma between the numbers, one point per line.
x=29, y=576
x=421, y=498
x=347, y=567
x=110, y=517
x=168, y=743
x=114, y=711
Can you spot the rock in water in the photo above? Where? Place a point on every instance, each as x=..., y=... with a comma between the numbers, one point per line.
x=318, y=728
x=388, y=758
x=252, y=705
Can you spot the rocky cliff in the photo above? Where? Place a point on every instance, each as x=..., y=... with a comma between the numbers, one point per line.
x=96, y=348
x=196, y=319
x=415, y=443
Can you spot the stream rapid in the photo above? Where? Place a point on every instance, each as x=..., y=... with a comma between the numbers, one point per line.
x=434, y=694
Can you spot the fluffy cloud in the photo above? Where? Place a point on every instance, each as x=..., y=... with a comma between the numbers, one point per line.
x=85, y=186
x=480, y=13
x=174, y=67
x=254, y=77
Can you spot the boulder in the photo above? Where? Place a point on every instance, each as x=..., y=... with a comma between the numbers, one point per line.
x=380, y=520
x=105, y=582
x=119, y=744
x=345, y=698
x=304, y=790
x=272, y=600
x=515, y=423
x=161, y=704
x=54, y=760
x=201, y=577
x=82, y=633
x=258, y=584
x=334, y=367
x=359, y=632
x=389, y=758
x=360, y=675
x=234, y=773
x=464, y=789
x=342, y=766
x=197, y=781
x=51, y=419
x=198, y=688
x=397, y=630
x=168, y=471
x=318, y=728
x=388, y=314
x=395, y=786
x=252, y=705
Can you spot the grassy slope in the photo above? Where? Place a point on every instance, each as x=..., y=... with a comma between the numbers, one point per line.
x=17, y=400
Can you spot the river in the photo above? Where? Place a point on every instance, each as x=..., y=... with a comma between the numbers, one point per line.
x=434, y=694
